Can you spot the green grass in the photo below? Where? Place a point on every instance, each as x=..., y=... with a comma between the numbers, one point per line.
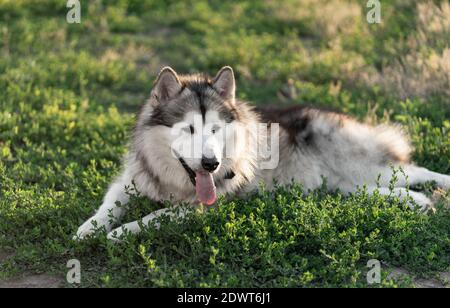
x=68, y=94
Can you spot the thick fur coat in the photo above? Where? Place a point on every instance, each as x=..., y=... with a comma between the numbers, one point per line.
x=309, y=146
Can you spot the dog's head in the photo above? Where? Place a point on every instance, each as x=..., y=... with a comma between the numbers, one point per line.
x=194, y=124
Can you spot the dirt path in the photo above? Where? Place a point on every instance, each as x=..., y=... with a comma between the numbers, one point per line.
x=28, y=281
x=33, y=281
x=441, y=281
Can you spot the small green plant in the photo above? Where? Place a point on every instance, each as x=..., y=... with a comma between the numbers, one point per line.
x=69, y=92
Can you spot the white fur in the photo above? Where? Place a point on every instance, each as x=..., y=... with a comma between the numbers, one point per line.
x=346, y=153
x=343, y=171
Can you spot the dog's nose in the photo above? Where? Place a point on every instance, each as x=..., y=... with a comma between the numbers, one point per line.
x=209, y=164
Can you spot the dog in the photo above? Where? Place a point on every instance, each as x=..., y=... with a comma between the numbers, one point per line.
x=193, y=141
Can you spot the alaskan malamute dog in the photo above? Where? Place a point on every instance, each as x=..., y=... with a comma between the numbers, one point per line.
x=194, y=140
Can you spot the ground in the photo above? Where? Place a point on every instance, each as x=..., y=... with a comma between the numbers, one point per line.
x=69, y=92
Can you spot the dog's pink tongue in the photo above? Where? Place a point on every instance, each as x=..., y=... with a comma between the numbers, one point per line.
x=205, y=188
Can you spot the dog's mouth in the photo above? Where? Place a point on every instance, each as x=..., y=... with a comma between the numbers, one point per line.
x=203, y=182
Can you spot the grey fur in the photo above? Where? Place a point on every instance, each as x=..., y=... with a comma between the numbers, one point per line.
x=314, y=144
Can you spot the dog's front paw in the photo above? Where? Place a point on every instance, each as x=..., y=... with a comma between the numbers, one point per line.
x=89, y=228
x=116, y=235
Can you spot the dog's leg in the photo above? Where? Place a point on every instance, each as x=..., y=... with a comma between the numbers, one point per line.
x=108, y=213
x=134, y=227
x=418, y=175
x=419, y=199
x=413, y=198
x=410, y=175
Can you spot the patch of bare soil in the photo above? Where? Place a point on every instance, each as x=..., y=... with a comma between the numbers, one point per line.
x=33, y=281
x=440, y=281
x=28, y=281
x=4, y=255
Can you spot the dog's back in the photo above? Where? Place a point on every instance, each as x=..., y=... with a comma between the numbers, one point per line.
x=317, y=143
x=313, y=146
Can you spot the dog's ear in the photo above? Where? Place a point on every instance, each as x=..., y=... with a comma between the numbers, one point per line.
x=167, y=85
x=224, y=83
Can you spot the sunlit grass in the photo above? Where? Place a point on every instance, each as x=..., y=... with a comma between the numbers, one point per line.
x=68, y=94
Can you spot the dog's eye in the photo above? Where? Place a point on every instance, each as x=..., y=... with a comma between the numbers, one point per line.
x=215, y=129
x=189, y=129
